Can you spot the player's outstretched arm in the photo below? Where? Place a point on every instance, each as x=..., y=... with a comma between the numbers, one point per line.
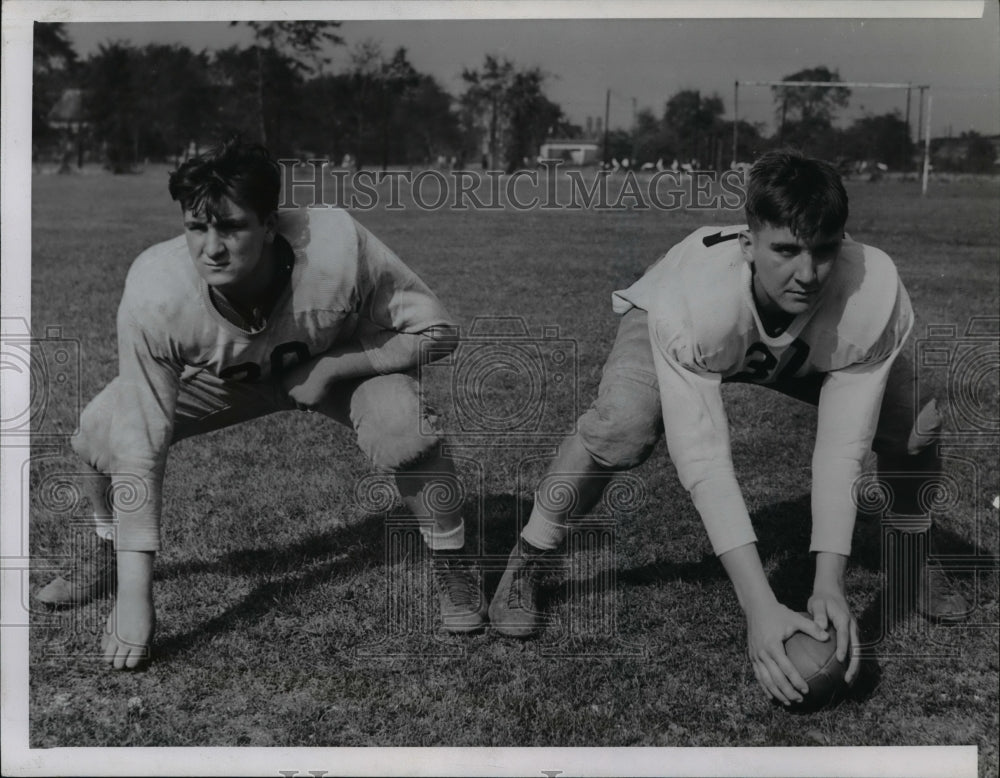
x=769, y=625
x=128, y=633
x=828, y=604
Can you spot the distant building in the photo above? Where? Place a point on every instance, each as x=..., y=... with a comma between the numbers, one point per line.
x=67, y=113
x=575, y=152
x=68, y=117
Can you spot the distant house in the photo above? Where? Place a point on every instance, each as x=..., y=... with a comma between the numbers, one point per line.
x=575, y=152
x=68, y=116
x=67, y=113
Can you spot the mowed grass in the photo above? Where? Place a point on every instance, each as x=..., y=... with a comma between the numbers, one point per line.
x=290, y=614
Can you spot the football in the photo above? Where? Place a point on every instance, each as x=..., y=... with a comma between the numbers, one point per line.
x=817, y=663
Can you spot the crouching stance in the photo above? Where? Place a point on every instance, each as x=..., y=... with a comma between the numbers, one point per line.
x=253, y=311
x=789, y=302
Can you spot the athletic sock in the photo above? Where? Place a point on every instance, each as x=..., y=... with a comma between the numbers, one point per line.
x=104, y=526
x=542, y=532
x=452, y=540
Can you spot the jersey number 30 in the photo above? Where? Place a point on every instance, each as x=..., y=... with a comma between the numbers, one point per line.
x=283, y=357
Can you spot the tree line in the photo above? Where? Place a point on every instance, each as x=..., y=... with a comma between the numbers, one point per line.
x=153, y=102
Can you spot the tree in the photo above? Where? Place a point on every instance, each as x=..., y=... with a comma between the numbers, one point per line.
x=750, y=139
x=620, y=143
x=148, y=102
x=113, y=98
x=429, y=126
x=980, y=155
x=508, y=105
x=650, y=139
x=484, y=98
x=240, y=105
x=234, y=79
x=177, y=99
x=531, y=117
x=395, y=78
x=378, y=108
x=377, y=88
x=54, y=67
x=297, y=46
x=809, y=108
x=693, y=125
x=883, y=139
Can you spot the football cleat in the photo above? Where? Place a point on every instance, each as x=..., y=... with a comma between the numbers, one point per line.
x=95, y=575
x=463, y=608
x=514, y=608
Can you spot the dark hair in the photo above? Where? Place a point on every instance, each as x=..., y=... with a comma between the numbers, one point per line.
x=788, y=189
x=242, y=172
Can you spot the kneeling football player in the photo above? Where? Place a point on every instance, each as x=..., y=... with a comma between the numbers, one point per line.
x=787, y=301
x=251, y=311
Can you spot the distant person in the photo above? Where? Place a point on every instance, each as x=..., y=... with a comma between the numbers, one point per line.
x=249, y=312
x=790, y=302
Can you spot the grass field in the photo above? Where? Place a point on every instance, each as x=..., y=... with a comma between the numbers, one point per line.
x=275, y=583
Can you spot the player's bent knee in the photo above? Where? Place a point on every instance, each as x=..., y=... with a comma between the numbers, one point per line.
x=399, y=432
x=91, y=440
x=400, y=448
x=618, y=437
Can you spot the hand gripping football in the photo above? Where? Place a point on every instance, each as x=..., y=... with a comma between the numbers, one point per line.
x=817, y=663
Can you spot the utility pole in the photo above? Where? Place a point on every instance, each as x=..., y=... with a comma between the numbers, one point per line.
x=920, y=116
x=927, y=149
x=635, y=127
x=909, y=133
x=607, y=112
x=736, y=115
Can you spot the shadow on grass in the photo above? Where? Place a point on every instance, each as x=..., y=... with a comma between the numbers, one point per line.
x=299, y=566
x=783, y=532
x=315, y=559
x=492, y=527
x=358, y=544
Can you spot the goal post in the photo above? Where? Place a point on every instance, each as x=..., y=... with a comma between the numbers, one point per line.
x=922, y=88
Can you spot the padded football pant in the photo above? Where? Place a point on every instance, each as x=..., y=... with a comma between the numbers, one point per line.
x=620, y=429
x=393, y=430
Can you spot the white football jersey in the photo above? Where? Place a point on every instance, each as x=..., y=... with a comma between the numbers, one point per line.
x=345, y=285
x=705, y=329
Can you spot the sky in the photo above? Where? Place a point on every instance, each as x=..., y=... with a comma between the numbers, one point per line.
x=644, y=61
